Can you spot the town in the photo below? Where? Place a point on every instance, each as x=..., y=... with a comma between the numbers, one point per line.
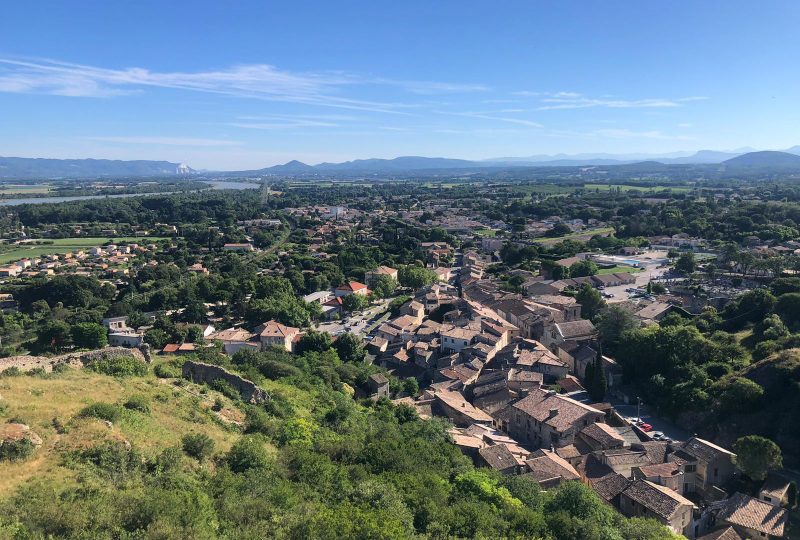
x=525, y=336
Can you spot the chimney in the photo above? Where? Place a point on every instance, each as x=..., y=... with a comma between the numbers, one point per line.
x=553, y=413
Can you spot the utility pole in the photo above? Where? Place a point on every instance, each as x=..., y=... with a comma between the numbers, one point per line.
x=638, y=407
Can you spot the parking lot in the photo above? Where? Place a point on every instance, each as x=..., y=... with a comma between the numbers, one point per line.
x=356, y=323
x=651, y=262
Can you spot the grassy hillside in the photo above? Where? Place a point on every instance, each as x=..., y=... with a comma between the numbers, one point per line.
x=45, y=402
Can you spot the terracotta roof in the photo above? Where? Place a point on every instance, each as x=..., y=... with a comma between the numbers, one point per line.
x=775, y=486
x=704, y=450
x=276, y=329
x=603, y=434
x=498, y=457
x=538, y=404
x=753, y=514
x=664, y=470
x=549, y=466
x=660, y=500
x=728, y=533
x=568, y=452
x=575, y=329
x=610, y=486
x=656, y=451
x=231, y=334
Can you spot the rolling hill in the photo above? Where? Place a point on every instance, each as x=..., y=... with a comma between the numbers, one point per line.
x=34, y=168
x=764, y=160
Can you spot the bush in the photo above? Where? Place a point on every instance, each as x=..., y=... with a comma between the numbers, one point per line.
x=197, y=445
x=103, y=411
x=119, y=366
x=248, y=453
x=16, y=450
x=11, y=372
x=225, y=388
x=167, y=371
x=138, y=403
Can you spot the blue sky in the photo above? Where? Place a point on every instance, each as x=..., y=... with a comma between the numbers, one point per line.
x=236, y=85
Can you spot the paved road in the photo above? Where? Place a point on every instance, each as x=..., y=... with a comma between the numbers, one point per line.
x=651, y=260
x=659, y=424
x=355, y=324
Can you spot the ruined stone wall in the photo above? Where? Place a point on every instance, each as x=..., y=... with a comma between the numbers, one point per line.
x=76, y=359
x=207, y=373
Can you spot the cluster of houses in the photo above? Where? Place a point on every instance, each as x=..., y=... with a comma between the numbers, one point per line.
x=507, y=371
x=108, y=261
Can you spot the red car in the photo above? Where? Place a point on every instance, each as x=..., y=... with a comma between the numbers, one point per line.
x=646, y=427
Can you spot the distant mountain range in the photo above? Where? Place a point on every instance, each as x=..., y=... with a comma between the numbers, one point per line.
x=33, y=168
x=743, y=158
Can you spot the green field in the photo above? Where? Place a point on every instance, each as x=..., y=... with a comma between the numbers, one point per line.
x=583, y=235
x=487, y=233
x=620, y=268
x=643, y=188
x=58, y=246
x=24, y=189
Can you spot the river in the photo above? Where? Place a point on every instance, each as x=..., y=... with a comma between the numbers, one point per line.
x=215, y=185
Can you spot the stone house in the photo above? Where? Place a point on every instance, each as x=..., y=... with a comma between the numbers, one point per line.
x=275, y=334
x=708, y=467
x=648, y=500
x=546, y=419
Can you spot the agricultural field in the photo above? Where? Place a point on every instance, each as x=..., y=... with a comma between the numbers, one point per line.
x=643, y=188
x=582, y=236
x=24, y=189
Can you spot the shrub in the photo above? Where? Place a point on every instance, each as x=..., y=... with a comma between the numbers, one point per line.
x=16, y=450
x=11, y=372
x=197, y=445
x=225, y=388
x=3, y=408
x=167, y=371
x=138, y=403
x=103, y=411
x=119, y=366
x=248, y=453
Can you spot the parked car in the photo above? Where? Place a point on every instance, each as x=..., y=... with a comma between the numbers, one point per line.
x=646, y=428
x=657, y=435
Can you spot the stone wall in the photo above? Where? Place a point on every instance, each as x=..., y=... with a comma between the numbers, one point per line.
x=76, y=359
x=207, y=373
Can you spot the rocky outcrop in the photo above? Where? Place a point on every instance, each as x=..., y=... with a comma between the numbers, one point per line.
x=76, y=359
x=14, y=433
x=208, y=373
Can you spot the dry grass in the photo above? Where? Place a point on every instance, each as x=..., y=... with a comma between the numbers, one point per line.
x=45, y=402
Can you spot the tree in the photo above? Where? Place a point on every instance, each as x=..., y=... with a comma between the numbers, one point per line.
x=686, y=263
x=741, y=394
x=416, y=276
x=755, y=456
x=612, y=323
x=89, y=335
x=384, y=286
x=788, y=307
x=583, y=268
x=355, y=302
x=248, y=453
x=313, y=341
x=197, y=445
x=349, y=348
x=54, y=336
x=156, y=338
x=590, y=300
x=559, y=229
x=597, y=385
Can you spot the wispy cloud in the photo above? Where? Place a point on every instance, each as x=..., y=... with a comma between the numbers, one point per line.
x=492, y=115
x=166, y=141
x=288, y=124
x=573, y=100
x=254, y=81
